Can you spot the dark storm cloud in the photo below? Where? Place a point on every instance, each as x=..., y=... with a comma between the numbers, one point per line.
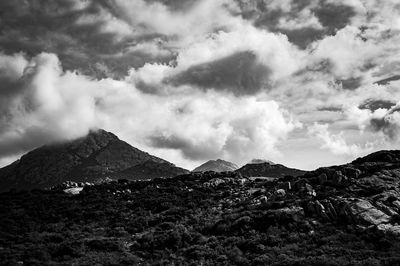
x=179, y=5
x=389, y=124
x=384, y=125
x=304, y=36
x=52, y=26
x=331, y=109
x=374, y=105
x=332, y=17
x=351, y=83
x=240, y=73
x=388, y=80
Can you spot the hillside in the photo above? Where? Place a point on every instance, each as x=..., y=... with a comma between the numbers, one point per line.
x=216, y=166
x=262, y=168
x=339, y=215
x=100, y=154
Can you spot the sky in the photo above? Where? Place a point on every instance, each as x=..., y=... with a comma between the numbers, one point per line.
x=305, y=83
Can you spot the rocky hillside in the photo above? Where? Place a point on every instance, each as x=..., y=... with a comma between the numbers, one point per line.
x=263, y=168
x=216, y=166
x=340, y=215
x=100, y=154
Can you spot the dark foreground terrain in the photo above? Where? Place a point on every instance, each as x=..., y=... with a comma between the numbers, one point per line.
x=342, y=215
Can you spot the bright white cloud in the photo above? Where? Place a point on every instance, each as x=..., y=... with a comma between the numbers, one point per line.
x=57, y=105
x=49, y=105
x=41, y=103
x=336, y=143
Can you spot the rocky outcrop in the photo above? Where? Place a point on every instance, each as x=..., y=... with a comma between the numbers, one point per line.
x=362, y=194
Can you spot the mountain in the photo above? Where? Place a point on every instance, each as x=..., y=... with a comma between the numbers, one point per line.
x=339, y=215
x=97, y=155
x=258, y=161
x=216, y=166
x=265, y=168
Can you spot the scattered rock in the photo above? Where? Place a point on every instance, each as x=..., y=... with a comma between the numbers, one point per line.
x=390, y=229
x=74, y=190
x=352, y=172
x=280, y=192
x=294, y=213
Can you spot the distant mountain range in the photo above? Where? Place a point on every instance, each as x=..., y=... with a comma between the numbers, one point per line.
x=216, y=166
x=255, y=168
x=102, y=155
x=89, y=159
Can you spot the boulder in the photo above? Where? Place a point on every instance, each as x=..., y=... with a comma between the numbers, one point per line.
x=338, y=179
x=280, y=192
x=308, y=190
x=74, y=190
x=320, y=210
x=390, y=229
x=364, y=211
x=263, y=200
x=329, y=209
x=299, y=184
x=352, y=172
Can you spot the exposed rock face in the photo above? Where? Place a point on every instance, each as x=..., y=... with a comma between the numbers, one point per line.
x=366, y=212
x=268, y=169
x=216, y=166
x=365, y=192
x=98, y=155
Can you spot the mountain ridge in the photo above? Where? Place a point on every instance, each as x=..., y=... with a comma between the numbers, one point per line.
x=268, y=169
x=96, y=155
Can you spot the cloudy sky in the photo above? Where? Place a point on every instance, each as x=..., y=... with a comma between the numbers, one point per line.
x=304, y=83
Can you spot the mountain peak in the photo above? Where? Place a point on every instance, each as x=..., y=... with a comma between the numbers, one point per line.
x=261, y=161
x=217, y=165
x=97, y=155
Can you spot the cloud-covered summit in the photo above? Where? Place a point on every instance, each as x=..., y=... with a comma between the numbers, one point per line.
x=192, y=80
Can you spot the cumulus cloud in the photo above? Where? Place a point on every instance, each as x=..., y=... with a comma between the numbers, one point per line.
x=190, y=80
x=53, y=105
x=45, y=104
x=218, y=126
x=384, y=118
x=336, y=143
x=223, y=60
